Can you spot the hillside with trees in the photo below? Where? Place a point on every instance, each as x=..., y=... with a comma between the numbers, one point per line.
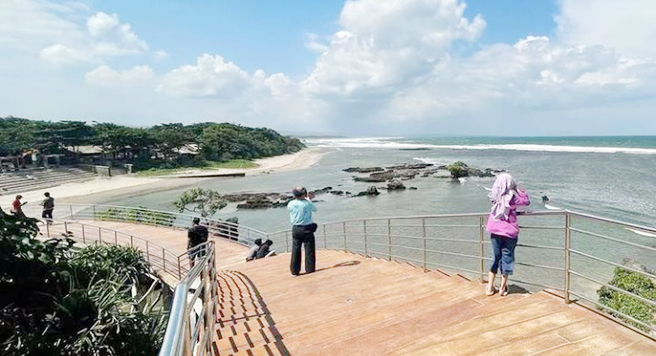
x=168, y=145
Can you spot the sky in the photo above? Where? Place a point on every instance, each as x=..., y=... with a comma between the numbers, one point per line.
x=356, y=67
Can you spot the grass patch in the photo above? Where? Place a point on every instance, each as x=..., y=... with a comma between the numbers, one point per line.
x=204, y=166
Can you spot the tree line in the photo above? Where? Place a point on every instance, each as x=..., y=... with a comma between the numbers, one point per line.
x=212, y=141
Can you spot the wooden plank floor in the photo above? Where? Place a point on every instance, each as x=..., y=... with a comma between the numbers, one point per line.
x=360, y=306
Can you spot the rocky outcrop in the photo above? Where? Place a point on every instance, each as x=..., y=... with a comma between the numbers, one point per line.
x=460, y=169
x=371, y=191
x=363, y=170
x=395, y=185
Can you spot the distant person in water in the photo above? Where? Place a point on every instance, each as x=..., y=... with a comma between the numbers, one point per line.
x=17, y=207
x=303, y=228
x=502, y=225
x=196, y=235
x=264, y=250
x=48, y=206
x=252, y=252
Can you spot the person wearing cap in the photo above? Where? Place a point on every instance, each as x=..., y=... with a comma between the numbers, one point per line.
x=48, y=206
x=300, y=214
x=252, y=252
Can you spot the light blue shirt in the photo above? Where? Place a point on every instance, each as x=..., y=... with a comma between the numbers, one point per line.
x=300, y=211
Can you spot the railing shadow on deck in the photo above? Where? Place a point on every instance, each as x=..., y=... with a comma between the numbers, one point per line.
x=567, y=253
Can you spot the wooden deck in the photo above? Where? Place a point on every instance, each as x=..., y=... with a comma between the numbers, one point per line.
x=361, y=306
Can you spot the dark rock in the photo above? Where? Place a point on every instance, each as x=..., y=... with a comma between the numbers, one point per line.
x=363, y=170
x=545, y=199
x=337, y=192
x=371, y=191
x=411, y=166
x=322, y=191
x=376, y=177
x=412, y=188
x=395, y=185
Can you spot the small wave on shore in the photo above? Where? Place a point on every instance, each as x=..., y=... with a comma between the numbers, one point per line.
x=552, y=207
x=394, y=143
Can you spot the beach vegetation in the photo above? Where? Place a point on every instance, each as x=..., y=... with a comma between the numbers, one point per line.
x=637, y=284
x=458, y=170
x=60, y=299
x=140, y=215
x=165, y=146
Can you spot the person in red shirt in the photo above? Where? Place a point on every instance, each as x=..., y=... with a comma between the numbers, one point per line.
x=17, y=207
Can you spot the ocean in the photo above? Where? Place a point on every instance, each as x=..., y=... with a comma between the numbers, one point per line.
x=612, y=177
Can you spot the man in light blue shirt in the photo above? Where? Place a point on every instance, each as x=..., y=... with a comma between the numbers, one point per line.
x=303, y=228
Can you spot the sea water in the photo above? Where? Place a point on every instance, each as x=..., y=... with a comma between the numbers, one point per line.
x=612, y=177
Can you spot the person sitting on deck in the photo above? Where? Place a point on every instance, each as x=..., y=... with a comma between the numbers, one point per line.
x=252, y=252
x=265, y=249
x=196, y=235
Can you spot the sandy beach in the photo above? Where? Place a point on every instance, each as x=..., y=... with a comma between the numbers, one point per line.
x=129, y=183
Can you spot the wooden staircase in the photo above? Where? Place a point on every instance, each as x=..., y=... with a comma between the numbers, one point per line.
x=362, y=306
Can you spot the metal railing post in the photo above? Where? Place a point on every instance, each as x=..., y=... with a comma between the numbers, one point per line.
x=131, y=241
x=99, y=234
x=568, y=262
x=179, y=269
x=147, y=252
x=163, y=259
x=325, y=243
x=83, y=238
x=93, y=207
x=47, y=228
x=366, y=250
x=115, y=237
x=389, y=239
x=423, y=228
x=65, y=227
x=71, y=209
x=481, y=247
x=287, y=240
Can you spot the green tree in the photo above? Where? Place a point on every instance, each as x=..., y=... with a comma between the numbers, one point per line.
x=205, y=202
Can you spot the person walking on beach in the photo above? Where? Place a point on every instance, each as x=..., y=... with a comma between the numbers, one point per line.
x=196, y=235
x=504, y=230
x=17, y=207
x=300, y=215
x=48, y=206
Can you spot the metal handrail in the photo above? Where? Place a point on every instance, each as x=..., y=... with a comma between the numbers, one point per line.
x=376, y=237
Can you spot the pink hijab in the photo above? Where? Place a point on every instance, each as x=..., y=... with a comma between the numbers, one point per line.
x=503, y=190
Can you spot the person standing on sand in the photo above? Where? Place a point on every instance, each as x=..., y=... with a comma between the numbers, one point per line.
x=17, y=207
x=196, y=235
x=504, y=230
x=300, y=215
x=48, y=206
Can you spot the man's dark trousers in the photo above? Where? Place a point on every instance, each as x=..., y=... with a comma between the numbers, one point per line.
x=301, y=235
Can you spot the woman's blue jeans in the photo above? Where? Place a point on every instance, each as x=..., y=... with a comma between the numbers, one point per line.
x=504, y=254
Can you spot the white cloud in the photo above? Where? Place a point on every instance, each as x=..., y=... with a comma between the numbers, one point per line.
x=61, y=54
x=384, y=44
x=626, y=26
x=212, y=76
x=101, y=24
x=161, y=55
x=109, y=77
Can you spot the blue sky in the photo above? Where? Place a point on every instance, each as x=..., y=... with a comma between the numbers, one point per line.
x=476, y=67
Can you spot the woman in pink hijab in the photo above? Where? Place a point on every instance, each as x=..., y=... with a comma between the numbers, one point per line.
x=503, y=227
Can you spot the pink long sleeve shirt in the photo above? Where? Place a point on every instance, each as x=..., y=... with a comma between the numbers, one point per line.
x=508, y=228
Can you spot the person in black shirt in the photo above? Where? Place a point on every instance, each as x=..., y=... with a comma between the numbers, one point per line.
x=48, y=206
x=197, y=235
x=264, y=250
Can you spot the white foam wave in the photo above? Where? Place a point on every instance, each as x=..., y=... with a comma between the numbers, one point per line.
x=387, y=142
x=641, y=232
x=552, y=207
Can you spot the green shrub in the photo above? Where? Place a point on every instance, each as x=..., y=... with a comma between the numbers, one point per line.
x=56, y=300
x=635, y=283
